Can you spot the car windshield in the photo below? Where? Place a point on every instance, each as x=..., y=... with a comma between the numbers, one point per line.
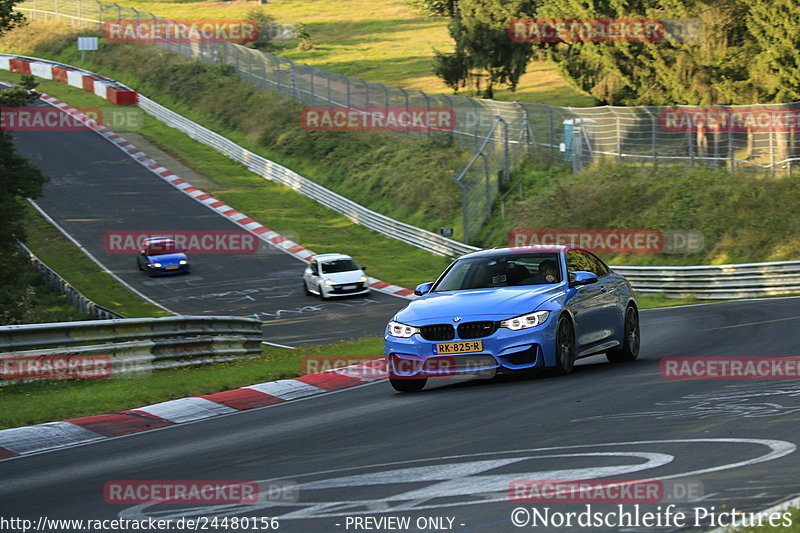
x=502, y=270
x=161, y=247
x=338, y=265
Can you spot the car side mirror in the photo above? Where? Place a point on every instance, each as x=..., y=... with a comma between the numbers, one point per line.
x=363, y=269
x=581, y=277
x=423, y=289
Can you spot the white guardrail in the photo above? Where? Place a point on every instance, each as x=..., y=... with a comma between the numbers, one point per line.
x=703, y=282
x=126, y=347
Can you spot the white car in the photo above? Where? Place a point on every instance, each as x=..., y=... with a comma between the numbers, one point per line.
x=329, y=275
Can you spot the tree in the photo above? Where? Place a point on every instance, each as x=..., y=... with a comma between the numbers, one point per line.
x=18, y=180
x=9, y=19
x=484, y=55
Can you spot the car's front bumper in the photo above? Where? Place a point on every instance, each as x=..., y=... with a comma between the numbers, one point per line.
x=162, y=271
x=503, y=350
x=339, y=290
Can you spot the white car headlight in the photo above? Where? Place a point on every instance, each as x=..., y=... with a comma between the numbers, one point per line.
x=396, y=329
x=525, y=321
x=184, y=261
x=330, y=282
x=362, y=279
x=157, y=265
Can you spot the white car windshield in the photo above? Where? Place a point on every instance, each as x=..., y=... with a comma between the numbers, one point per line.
x=338, y=265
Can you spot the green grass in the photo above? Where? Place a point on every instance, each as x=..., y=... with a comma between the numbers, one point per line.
x=44, y=401
x=387, y=42
x=37, y=301
x=276, y=206
x=61, y=255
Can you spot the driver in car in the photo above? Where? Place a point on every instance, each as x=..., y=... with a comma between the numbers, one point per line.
x=548, y=271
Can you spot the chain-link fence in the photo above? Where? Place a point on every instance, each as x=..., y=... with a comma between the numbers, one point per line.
x=756, y=137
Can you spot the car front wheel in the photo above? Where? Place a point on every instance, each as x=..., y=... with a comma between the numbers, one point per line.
x=629, y=350
x=565, y=347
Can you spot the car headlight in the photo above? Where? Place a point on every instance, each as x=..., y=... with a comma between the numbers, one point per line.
x=184, y=261
x=525, y=321
x=330, y=282
x=396, y=329
x=362, y=279
x=157, y=265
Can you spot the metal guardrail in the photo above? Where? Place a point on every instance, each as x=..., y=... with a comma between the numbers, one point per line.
x=270, y=170
x=703, y=282
x=73, y=295
x=136, y=345
x=716, y=282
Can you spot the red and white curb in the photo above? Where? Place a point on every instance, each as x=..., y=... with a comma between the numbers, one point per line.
x=265, y=234
x=20, y=441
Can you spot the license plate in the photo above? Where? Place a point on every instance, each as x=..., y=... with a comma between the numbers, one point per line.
x=457, y=347
x=170, y=268
x=348, y=287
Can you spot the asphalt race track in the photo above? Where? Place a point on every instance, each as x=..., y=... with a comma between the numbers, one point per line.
x=451, y=450
x=443, y=458
x=96, y=188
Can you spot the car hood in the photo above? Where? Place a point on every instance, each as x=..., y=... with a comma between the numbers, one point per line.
x=351, y=276
x=486, y=304
x=167, y=259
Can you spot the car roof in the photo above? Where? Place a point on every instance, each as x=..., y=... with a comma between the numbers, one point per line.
x=537, y=248
x=330, y=257
x=157, y=240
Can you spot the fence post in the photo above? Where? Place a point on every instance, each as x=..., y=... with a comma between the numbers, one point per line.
x=347, y=83
x=506, y=154
x=477, y=116
x=552, y=133
x=731, y=158
x=452, y=116
x=428, y=108
x=311, y=70
x=691, y=150
x=464, y=217
x=328, y=77
x=619, y=135
x=488, y=184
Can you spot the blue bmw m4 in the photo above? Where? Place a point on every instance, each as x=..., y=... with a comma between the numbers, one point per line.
x=513, y=309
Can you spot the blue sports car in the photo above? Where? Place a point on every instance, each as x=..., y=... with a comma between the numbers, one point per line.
x=513, y=309
x=159, y=255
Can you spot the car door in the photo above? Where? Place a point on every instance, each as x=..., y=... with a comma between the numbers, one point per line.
x=588, y=305
x=613, y=301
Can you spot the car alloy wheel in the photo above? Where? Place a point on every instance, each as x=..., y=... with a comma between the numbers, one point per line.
x=629, y=350
x=565, y=346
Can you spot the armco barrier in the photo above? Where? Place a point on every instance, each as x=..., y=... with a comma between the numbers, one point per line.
x=703, y=282
x=73, y=295
x=137, y=345
x=716, y=282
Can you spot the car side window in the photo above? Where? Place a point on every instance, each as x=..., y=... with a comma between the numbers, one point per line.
x=600, y=268
x=314, y=267
x=579, y=261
